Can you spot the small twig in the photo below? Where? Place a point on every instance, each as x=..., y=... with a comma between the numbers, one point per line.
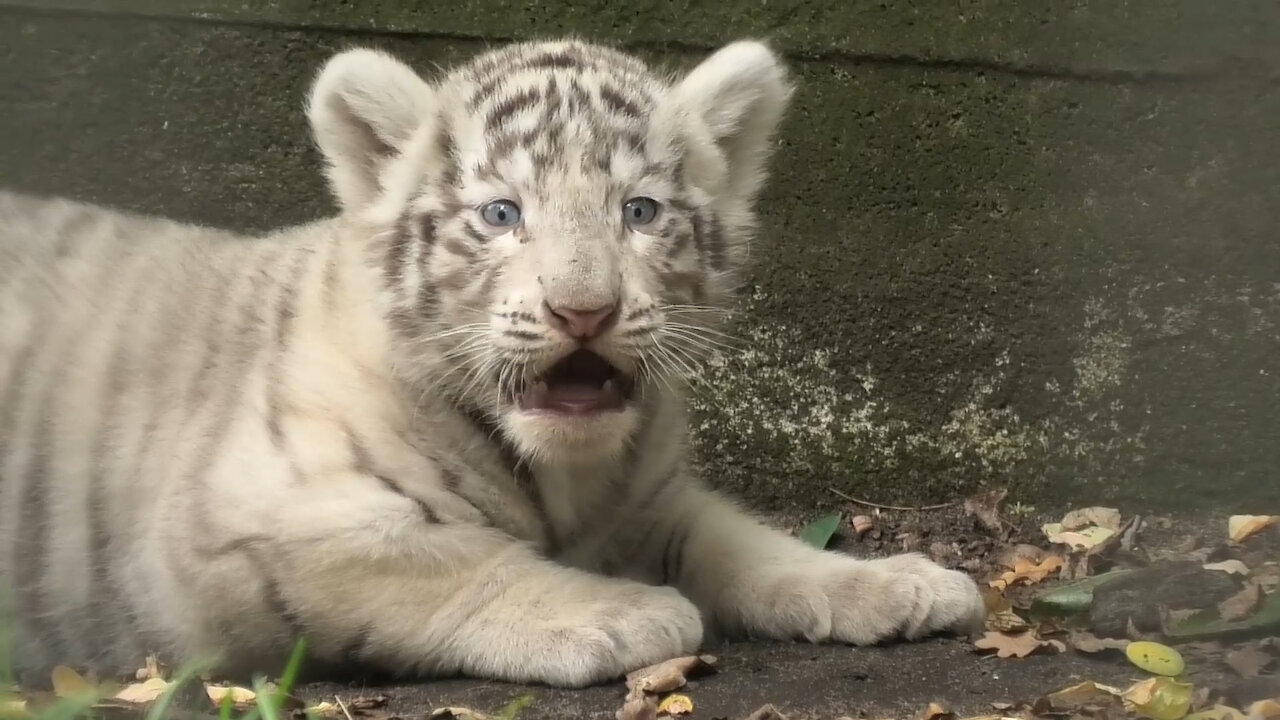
x=880, y=506
x=343, y=707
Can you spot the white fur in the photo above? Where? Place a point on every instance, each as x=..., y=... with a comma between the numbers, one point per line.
x=276, y=423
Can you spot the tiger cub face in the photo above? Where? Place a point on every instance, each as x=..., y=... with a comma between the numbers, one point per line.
x=554, y=226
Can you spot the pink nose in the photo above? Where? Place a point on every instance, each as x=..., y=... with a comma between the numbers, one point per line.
x=582, y=324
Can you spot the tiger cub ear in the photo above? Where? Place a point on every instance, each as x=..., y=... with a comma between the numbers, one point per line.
x=365, y=107
x=723, y=115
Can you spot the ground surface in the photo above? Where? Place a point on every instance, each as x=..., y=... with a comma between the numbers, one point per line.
x=898, y=680
x=800, y=680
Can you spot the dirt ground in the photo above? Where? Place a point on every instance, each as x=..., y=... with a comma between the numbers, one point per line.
x=802, y=681
x=896, y=680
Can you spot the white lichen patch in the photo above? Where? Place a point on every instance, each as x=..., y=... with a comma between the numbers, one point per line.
x=801, y=411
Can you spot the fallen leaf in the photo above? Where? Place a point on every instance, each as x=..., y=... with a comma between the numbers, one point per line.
x=1155, y=658
x=1028, y=572
x=1129, y=533
x=937, y=711
x=766, y=712
x=1242, y=604
x=862, y=523
x=668, y=675
x=1075, y=697
x=324, y=708
x=1017, y=644
x=819, y=532
x=1104, y=517
x=143, y=692
x=986, y=508
x=1233, y=567
x=365, y=703
x=1207, y=623
x=1263, y=710
x=68, y=683
x=1005, y=621
x=639, y=707
x=1240, y=527
x=1248, y=661
x=1071, y=599
x=1009, y=557
x=1217, y=712
x=13, y=707
x=457, y=713
x=1159, y=698
x=239, y=696
x=674, y=705
x=1085, y=641
x=1086, y=539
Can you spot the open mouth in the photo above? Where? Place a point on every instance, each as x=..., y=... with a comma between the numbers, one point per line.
x=580, y=384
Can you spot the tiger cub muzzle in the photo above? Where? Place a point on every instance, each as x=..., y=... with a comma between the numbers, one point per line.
x=582, y=383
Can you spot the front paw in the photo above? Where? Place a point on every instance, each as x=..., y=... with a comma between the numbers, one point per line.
x=906, y=595
x=635, y=627
x=834, y=597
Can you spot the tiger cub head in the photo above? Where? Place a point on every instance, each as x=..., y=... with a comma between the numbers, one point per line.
x=553, y=227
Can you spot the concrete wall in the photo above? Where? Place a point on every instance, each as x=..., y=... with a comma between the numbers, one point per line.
x=1004, y=244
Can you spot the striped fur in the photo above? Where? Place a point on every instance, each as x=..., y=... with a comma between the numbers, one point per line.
x=212, y=444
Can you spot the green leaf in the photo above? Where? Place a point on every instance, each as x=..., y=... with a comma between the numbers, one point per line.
x=513, y=708
x=1206, y=624
x=1072, y=598
x=818, y=533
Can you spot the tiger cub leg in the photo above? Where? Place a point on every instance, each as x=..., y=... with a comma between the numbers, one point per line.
x=752, y=580
x=364, y=574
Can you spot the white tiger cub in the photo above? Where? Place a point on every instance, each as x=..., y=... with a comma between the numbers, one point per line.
x=439, y=434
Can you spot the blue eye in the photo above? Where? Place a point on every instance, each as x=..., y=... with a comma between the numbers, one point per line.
x=501, y=213
x=640, y=211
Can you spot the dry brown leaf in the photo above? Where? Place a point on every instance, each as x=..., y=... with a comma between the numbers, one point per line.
x=1249, y=661
x=937, y=711
x=1240, y=527
x=1232, y=567
x=1161, y=698
x=1018, y=645
x=1108, y=518
x=12, y=706
x=1090, y=643
x=1006, y=621
x=143, y=692
x=668, y=675
x=1242, y=604
x=1077, y=696
x=364, y=703
x=1217, y=712
x=457, y=713
x=1009, y=557
x=638, y=707
x=1263, y=710
x=675, y=705
x=986, y=508
x=1027, y=572
x=766, y=712
x=862, y=523
x=1087, y=540
x=239, y=696
x=69, y=683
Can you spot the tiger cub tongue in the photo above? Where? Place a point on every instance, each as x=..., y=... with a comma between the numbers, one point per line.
x=572, y=398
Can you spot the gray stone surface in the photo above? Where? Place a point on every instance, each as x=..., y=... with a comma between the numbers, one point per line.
x=1034, y=248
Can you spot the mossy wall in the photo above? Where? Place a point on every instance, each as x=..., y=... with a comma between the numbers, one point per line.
x=1005, y=244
